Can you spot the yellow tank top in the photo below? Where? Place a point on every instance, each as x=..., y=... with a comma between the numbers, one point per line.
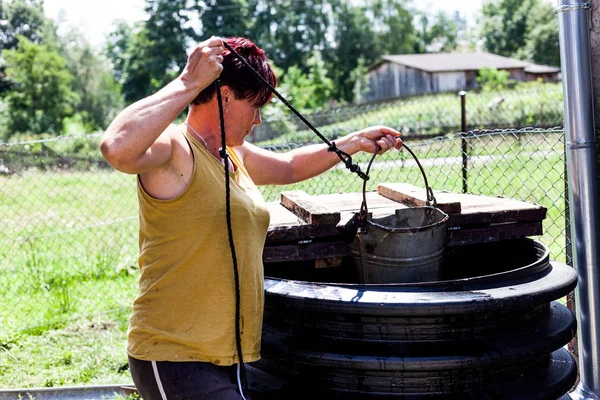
x=185, y=307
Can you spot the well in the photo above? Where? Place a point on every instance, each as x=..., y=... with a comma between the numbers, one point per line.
x=489, y=328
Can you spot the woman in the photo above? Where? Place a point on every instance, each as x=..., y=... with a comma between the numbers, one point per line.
x=181, y=338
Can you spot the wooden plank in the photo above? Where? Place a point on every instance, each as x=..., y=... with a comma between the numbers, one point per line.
x=327, y=252
x=497, y=216
x=306, y=251
x=281, y=216
x=416, y=196
x=308, y=209
x=493, y=233
x=353, y=201
x=296, y=233
x=474, y=209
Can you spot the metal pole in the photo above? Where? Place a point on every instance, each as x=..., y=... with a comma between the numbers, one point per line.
x=580, y=142
x=463, y=145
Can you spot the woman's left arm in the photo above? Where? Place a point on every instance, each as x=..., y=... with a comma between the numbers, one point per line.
x=266, y=167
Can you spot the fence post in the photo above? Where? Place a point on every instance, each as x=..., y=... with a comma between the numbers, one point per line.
x=464, y=147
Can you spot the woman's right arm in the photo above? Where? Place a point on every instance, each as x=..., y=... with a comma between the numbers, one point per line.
x=133, y=143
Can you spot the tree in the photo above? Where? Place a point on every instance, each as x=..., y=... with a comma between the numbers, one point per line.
x=542, y=42
x=40, y=97
x=19, y=17
x=167, y=34
x=394, y=28
x=289, y=30
x=526, y=29
x=360, y=81
x=443, y=33
x=93, y=82
x=118, y=47
x=147, y=56
x=354, y=40
x=225, y=18
x=504, y=27
x=318, y=76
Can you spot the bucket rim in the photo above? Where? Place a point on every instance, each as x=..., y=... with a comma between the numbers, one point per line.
x=413, y=229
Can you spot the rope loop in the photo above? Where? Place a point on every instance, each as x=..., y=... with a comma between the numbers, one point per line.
x=332, y=148
x=347, y=160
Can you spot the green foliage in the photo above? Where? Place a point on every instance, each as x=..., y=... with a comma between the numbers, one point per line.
x=307, y=91
x=322, y=85
x=358, y=76
x=297, y=87
x=521, y=28
x=396, y=33
x=288, y=30
x=443, y=33
x=118, y=45
x=98, y=92
x=149, y=55
x=167, y=34
x=542, y=45
x=355, y=37
x=4, y=133
x=40, y=96
x=19, y=17
x=225, y=18
x=491, y=79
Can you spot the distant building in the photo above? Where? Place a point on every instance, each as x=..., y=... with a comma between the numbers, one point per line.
x=415, y=74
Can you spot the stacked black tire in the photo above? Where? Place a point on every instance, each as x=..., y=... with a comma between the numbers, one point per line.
x=492, y=329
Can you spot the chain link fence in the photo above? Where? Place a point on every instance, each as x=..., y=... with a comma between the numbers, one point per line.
x=530, y=105
x=68, y=244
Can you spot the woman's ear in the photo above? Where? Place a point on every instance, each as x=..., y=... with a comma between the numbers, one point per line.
x=225, y=93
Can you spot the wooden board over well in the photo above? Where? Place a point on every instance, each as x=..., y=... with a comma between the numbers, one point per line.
x=308, y=221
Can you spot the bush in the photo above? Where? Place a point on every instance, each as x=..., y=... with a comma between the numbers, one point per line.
x=491, y=79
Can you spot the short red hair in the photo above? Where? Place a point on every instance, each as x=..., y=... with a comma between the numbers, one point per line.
x=239, y=78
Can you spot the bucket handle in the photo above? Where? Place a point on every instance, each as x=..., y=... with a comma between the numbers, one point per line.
x=430, y=198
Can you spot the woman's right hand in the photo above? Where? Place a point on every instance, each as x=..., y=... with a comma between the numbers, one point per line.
x=204, y=64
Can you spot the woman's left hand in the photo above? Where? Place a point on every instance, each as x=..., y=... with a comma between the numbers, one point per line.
x=386, y=138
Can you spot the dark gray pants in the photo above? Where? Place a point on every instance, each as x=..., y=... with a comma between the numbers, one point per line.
x=164, y=380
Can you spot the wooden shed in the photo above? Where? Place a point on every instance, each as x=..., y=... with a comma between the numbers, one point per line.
x=415, y=74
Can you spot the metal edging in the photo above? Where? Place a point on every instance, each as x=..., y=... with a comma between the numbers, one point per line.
x=572, y=7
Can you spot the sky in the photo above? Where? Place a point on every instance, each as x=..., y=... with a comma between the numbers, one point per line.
x=94, y=18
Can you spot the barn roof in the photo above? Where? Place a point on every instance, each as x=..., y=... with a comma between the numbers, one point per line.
x=447, y=62
x=541, y=69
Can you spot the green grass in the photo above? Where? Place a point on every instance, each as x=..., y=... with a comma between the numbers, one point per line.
x=67, y=256
x=68, y=247
x=79, y=352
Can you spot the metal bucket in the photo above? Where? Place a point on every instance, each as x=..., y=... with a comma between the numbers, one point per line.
x=407, y=246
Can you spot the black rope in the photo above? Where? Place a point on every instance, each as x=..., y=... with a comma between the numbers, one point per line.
x=364, y=212
x=225, y=156
x=332, y=148
x=429, y=192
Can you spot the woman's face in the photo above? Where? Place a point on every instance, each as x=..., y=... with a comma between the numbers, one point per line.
x=241, y=117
